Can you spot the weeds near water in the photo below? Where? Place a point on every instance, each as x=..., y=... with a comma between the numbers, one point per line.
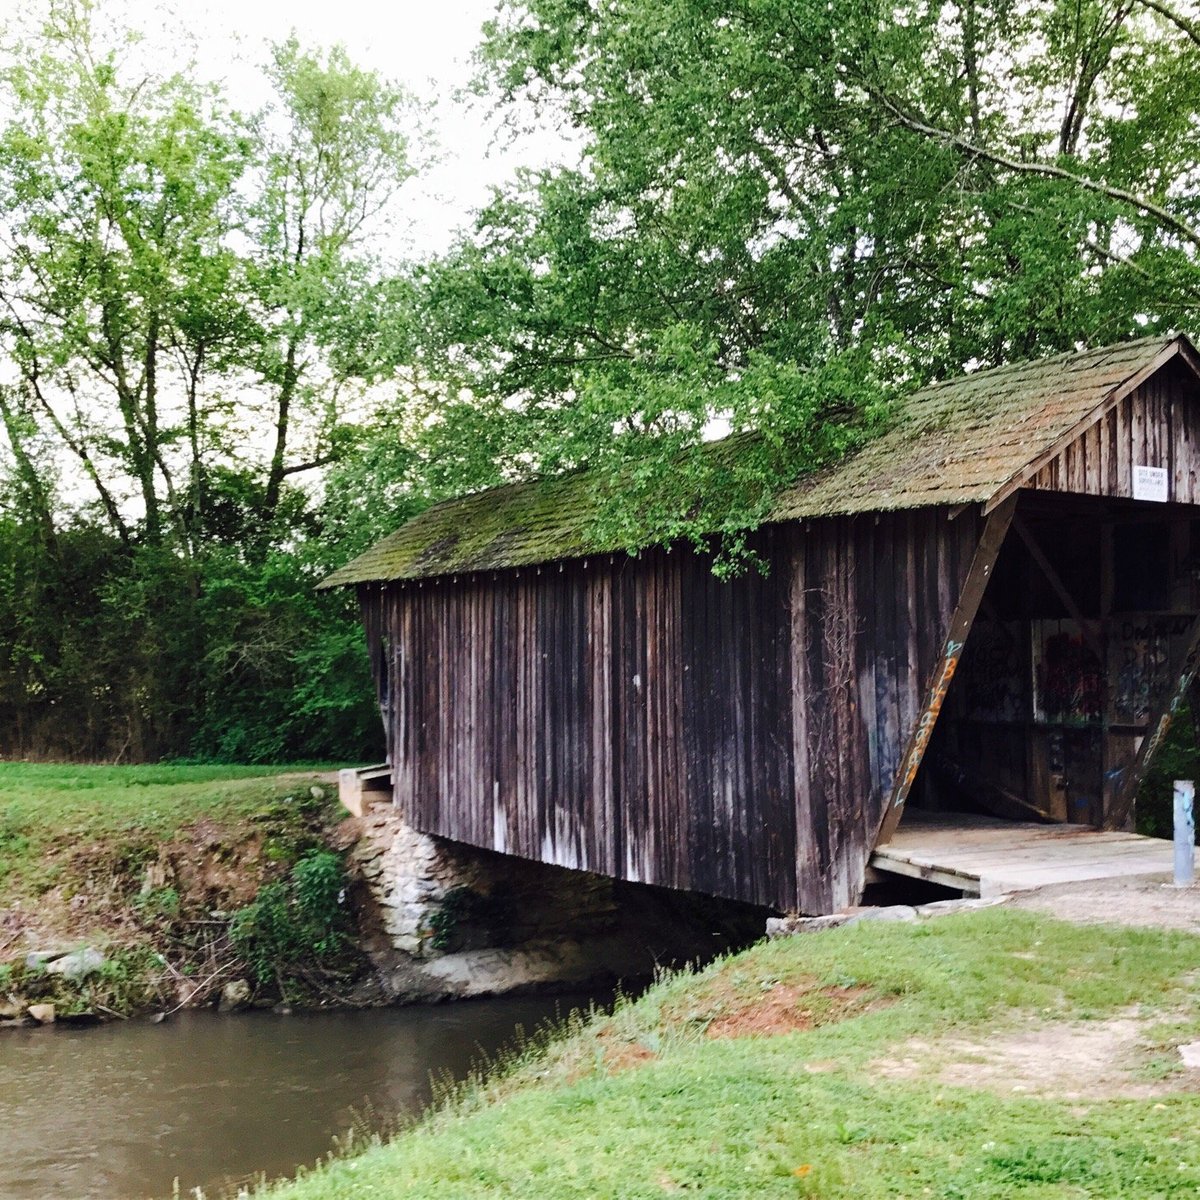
x=295, y=922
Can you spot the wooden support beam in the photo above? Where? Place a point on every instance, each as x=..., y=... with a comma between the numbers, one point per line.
x=969, y=600
x=1060, y=589
x=1109, y=776
x=1184, y=672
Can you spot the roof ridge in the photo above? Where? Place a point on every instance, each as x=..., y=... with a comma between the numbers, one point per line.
x=1047, y=360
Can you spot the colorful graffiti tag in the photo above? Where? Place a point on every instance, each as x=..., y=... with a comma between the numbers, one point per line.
x=1068, y=677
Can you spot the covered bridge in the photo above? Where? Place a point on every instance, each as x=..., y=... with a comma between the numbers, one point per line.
x=991, y=608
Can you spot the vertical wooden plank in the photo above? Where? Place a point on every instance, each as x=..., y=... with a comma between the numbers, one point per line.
x=1093, y=464
x=866, y=661
x=1124, y=440
x=1140, y=451
x=886, y=603
x=1110, y=453
x=807, y=865
x=1181, y=491
x=1188, y=408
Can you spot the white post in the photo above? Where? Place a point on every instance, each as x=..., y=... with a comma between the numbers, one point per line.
x=1185, y=833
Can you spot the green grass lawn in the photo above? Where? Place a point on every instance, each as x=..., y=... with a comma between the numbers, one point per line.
x=648, y=1104
x=49, y=810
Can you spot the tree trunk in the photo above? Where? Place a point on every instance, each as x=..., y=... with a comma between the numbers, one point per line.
x=287, y=392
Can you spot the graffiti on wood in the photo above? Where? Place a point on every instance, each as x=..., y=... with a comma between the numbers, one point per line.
x=994, y=674
x=1141, y=649
x=1068, y=677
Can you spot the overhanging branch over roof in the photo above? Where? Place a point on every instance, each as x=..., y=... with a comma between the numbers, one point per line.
x=969, y=440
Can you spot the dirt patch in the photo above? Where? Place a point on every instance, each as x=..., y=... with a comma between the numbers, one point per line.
x=625, y=1056
x=732, y=1004
x=788, y=1008
x=620, y=1054
x=116, y=891
x=1145, y=901
x=1087, y=1060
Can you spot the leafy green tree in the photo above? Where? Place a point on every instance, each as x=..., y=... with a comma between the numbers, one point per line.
x=331, y=156
x=113, y=192
x=788, y=209
x=193, y=304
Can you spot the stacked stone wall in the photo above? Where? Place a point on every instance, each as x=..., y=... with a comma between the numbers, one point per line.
x=440, y=918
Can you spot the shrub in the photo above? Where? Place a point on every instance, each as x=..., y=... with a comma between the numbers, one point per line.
x=295, y=923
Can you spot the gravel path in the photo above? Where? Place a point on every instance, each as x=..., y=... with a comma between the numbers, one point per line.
x=1142, y=900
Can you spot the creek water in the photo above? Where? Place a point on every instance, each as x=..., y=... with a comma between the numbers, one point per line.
x=121, y=1111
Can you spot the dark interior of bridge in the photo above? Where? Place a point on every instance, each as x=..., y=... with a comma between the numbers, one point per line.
x=1082, y=640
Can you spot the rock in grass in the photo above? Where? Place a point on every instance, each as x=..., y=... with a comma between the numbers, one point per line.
x=43, y=1014
x=77, y=964
x=778, y=927
x=235, y=996
x=892, y=912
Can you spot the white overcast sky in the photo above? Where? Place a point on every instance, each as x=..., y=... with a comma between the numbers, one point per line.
x=424, y=44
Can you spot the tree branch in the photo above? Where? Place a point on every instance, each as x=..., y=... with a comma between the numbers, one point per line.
x=323, y=461
x=1180, y=23
x=1046, y=170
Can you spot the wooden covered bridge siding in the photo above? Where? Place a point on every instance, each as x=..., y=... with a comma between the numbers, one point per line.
x=1157, y=425
x=642, y=719
x=755, y=739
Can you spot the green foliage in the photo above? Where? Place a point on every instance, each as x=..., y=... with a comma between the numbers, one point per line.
x=784, y=213
x=179, y=276
x=139, y=654
x=1177, y=758
x=158, y=904
x=296, y=922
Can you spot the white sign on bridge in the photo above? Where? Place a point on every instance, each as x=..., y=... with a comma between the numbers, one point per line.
x=1150, y=483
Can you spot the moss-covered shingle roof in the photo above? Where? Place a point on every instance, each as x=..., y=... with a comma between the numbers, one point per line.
x=957, y=442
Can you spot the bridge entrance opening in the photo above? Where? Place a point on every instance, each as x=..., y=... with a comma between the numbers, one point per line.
x=1081, y=645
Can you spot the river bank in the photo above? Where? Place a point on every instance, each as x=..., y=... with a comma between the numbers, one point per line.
x=137, y=890
x=140, y=889
x=982, y=1055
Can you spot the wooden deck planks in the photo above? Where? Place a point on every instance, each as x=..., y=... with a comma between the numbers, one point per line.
x=987, y=857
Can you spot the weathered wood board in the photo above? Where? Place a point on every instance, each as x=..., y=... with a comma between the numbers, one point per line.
x=641, y=718
x=988, y=857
